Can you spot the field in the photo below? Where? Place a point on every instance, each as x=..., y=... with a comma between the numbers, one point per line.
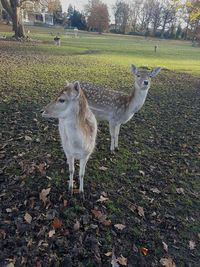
x=151, y=185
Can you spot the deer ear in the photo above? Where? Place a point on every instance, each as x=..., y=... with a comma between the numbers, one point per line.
x=155, y=72
x=133, y=69
x=66, y=83
x=77, y=88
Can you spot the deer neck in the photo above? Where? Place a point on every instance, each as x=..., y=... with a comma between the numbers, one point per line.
x=137, y=99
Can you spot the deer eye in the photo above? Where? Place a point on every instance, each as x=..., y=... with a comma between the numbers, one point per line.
x=138, y=75
x=61, y=100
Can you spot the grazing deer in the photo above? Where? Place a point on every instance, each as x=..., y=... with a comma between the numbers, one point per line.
x=116, y=107
x=77, y=127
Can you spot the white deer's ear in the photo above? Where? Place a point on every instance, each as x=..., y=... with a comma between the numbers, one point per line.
x=77, y=88
x=155, y=72
x=133, y=69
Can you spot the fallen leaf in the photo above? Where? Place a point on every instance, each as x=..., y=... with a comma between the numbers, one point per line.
x=140, y=211
x=8, y=210
x=106, y=222
x=165, y=246
x=51, y=233
x=57, y=223
x=102, y=199
x=155, y=190
x=97, y=214
x=108, y=254
x=144, y=251
x=43, y=195
x=102, y=168
x=28, y=217
x=30, y=243
x=65, y=202
x=119, y=226
x=167, y=262
x=76, y=226
x=114, y=260
x=191, y=245
x=10, y=265
x=142, y=173
x=122, y=260
x=180, y=190
x=28, y=138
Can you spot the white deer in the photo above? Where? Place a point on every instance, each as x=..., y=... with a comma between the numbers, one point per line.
x=116, y=107
x=77, y=127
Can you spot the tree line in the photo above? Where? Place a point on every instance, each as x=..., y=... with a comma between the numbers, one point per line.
x=157, y=18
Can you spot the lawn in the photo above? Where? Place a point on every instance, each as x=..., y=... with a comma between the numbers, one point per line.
x=151, y=185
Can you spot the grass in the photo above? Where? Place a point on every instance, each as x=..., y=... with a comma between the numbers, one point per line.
x=159, y=148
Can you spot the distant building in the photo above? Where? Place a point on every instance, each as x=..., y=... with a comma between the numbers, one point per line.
x=37, y=18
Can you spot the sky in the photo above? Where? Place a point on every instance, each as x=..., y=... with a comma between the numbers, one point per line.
x=79, y=4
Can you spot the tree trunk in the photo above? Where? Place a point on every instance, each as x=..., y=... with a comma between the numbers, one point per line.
x=14, y=10
x=18, y=26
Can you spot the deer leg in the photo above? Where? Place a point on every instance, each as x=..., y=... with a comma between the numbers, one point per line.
x=83, y=163
x=117, y=128
x=70, y=161
x=112, y=134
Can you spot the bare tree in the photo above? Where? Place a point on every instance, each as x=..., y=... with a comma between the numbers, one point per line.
x=135, y=12
x=97, y=15
x=121, y=13
x=168, y=15
x=156, y=15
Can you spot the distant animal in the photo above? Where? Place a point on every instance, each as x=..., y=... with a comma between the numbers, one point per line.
x=155, y=48
x=116, y=107
x=57, y=40
x=77, y=127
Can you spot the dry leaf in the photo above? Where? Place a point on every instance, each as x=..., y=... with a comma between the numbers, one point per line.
x=144, y=251
x=43, y=195
x=8, y=210
x=51, y=233
x=65, y=202
x=102, y=168
x=155, y=190
x=102, y=199
x=10, y=265
x=28, y=138
x=108, y=254
x=119, y=226
x=122, y=260
x=191, y=245
x=77, y=226
x=106, y=222
x=180, y=190
x=142, y=173
x=97, y=214
x=165, y=246
x=140, y=211
x=114, y=260
x=57, y=223
x=28, y=217
x=167, y=262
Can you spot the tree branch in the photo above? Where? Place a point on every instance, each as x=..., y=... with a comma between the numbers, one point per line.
x=6, y=5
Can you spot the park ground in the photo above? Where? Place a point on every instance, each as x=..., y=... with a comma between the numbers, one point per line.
x=142, y=203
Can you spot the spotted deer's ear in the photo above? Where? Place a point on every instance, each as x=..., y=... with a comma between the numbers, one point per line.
x=155, y=72
x=66, y=83
x=133, y=69
x=77, y=88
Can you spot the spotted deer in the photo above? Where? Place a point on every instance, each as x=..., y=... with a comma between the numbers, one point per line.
x=116, y=107
x=77, y=127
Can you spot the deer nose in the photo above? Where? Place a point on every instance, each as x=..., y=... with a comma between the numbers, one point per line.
x=146, y=82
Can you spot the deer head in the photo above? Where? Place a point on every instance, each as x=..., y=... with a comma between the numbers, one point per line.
x=143, y=77
x=62, y=106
